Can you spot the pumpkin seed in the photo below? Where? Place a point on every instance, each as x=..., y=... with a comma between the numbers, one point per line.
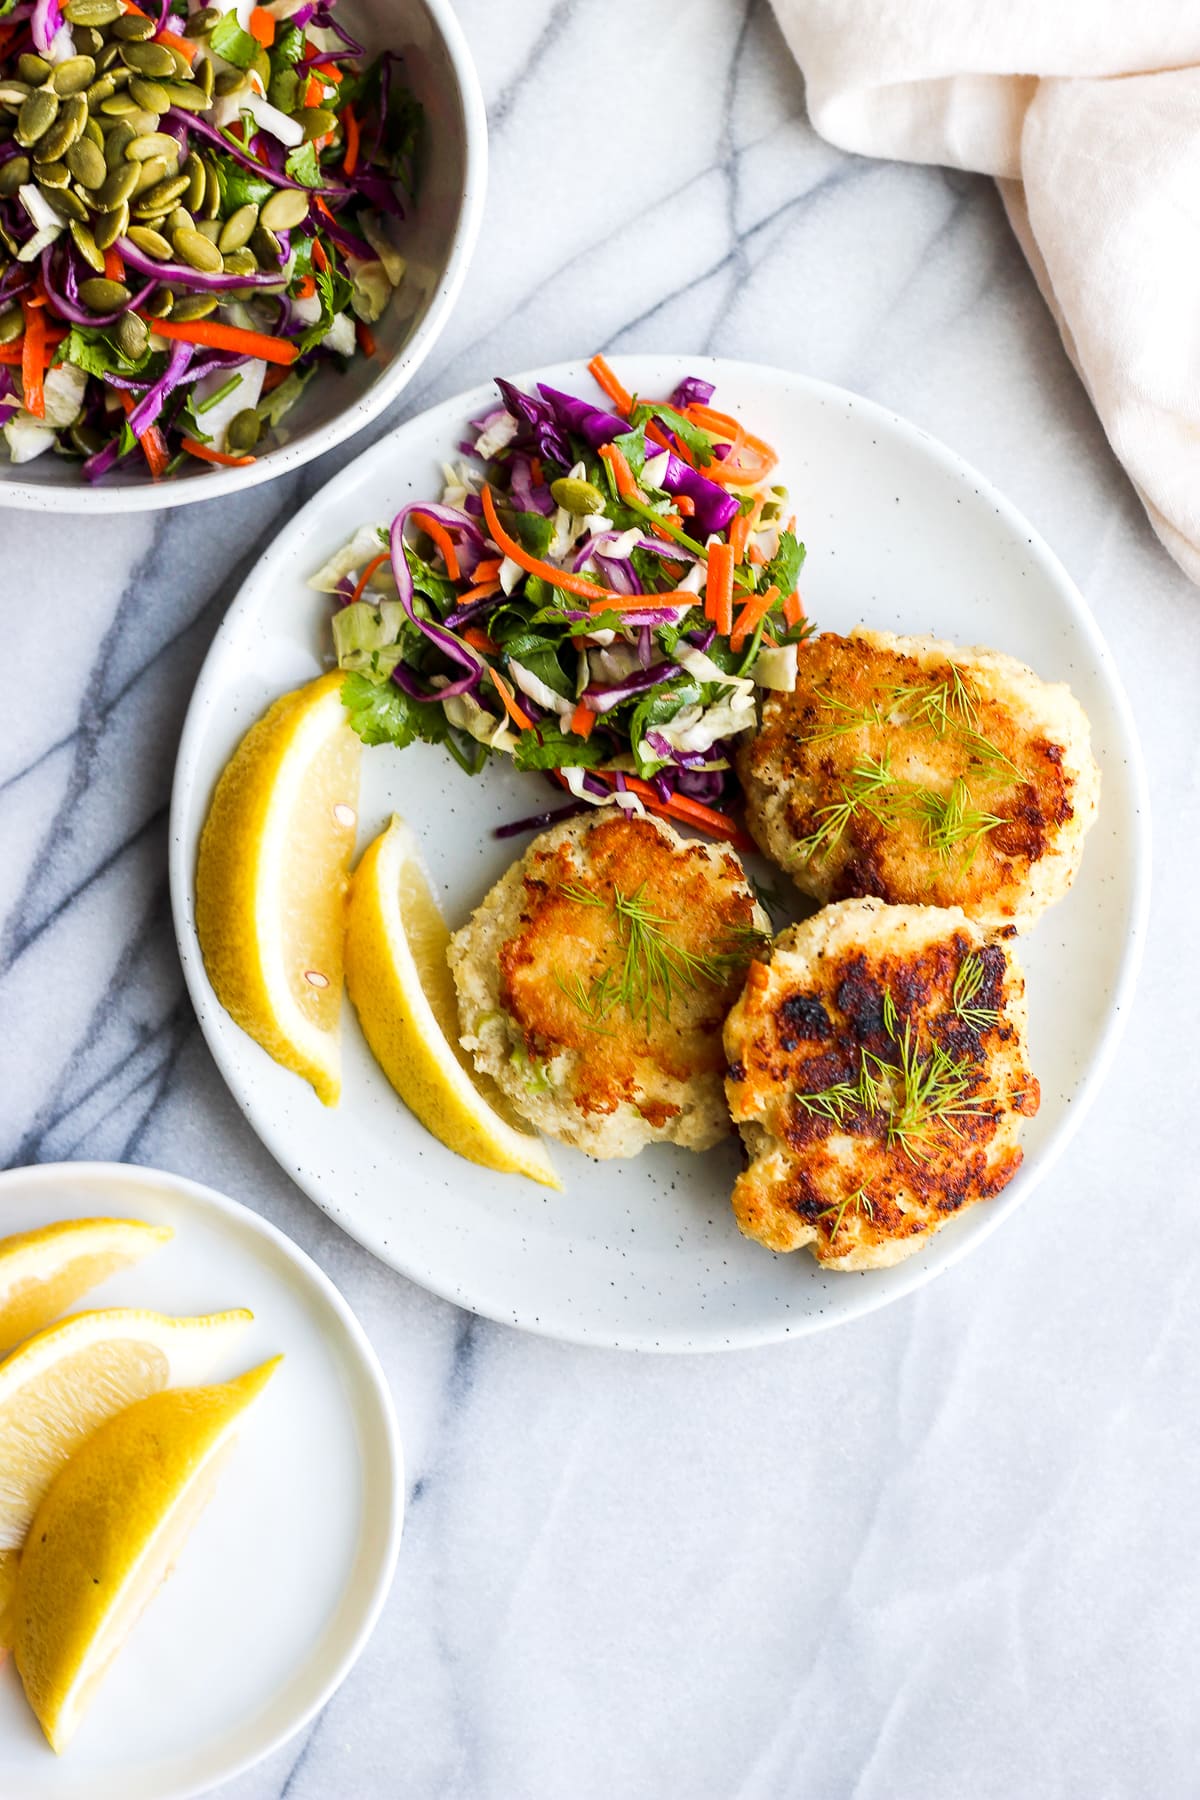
x=117, y=142
x=14, y=93
x=149, y=94
x=179, y=220
x=87, y=164
x=119, y=185
x=202, y=22
x=100, y=90
x=33, y=69
x=38, y=113
x=148, y=59
x=205, y=78
x=94, y=135
x=243, y=430
x=314, y=121
x=87, y=246
x=87, y=41
x=92, y=12
x=66, y=203
x=238, y=228
x=285, y=209
x=53, y=144
x=52, y=175
x=150, y=174
x=133, y=28
x=87, y=439
x=13, y=174
x=160, y=304
x=131, y=335
x=212, y=192
x=197, y=250
x=161, y=197
x=194, y=306
x=110, y=59
x=73, y=75
x=186, y=95
x=229, y=81
x=12, y=325
x=142, y=121
x=209, y=228
x=152, y=242
x=240, y=262
x=111, y=225
x=151, y=143
x=193, y=168
x=100, y=295
x=119, y=106
x=267, y=248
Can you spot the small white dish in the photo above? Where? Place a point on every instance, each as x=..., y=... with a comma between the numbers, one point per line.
x=438, y=240
x=901, y=535
x=282, y=1580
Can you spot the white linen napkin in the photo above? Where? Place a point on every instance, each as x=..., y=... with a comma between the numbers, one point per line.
x=1087, y=112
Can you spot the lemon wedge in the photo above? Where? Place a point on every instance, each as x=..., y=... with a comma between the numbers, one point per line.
x=44, y=1272
x=108, y=1532
x=272, y=876
x=402, y=989
x=57, y=1388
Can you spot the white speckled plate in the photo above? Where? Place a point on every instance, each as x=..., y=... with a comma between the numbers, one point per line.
x=644, y=1254
x=281, y=1581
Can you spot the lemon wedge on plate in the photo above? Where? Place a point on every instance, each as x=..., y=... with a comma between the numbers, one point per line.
x=44, y=1272
x=272, y=875
x=108, y=1532
x=57, y=1388
x=400, y=983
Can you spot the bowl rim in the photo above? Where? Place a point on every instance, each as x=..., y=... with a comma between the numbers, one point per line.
x=283, y=458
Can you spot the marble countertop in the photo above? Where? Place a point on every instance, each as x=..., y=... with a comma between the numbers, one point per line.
x=946, y=1551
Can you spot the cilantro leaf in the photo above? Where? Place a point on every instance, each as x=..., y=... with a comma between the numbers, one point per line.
x=382, y=713
x=302, y=166
x=659, y=708
x=783, y=570
x=333, y=291
x=238, y=186
x=93, y=351
x=235, y=45
x=287, y=49
x=427, y=581
x=695, y=441
x=532, y=530
x=555, y=750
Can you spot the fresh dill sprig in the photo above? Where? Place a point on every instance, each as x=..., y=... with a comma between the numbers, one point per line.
x=869, y=788
x=950, y=708
x=890, y=1020
x=918, y=1095
x=652, y=967
x=594, y=998
x=967, y=984
x=857, y=1202
x=854, y=718
x=952, y=822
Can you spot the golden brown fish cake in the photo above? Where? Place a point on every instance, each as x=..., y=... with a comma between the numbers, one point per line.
x=594, y=980
x=919, y=773
x=878, y=1074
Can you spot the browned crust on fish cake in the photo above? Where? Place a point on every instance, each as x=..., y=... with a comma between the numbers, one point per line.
x=1041, y=773
x=804, y=1023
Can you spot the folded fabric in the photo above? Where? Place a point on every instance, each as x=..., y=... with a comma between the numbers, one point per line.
x=1088, y=114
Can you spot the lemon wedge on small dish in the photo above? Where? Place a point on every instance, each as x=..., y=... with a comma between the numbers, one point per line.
x=400, y=983
x=108, y=1532
x=44, y=1272
x=60, y=1385
x=272, y=876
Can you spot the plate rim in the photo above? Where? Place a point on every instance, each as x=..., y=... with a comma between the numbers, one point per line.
x=910, y=1276
x=133, y=1176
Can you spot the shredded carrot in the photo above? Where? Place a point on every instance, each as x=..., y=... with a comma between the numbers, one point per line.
x=318, y=255
x=536, y=471
x=366, y=337
x=750, y=458
x=718, y=591
x=520, y=719
x=226, y=337
x=685, y=505
x=582, y=720
x=152, y=441
x=214, y=456
x=483, y=590
x=375, y=563
x=441, y=537
x=331, y=72
x=13, y=355
x=479, y=640
x=273, y=377
x=32, y=360
x=306, y=288
x=640, y=602
x=350, y=128
x=533, y=565
x=488, y=569
x=604, y=378
x=739, y=531
x=757, y=607
x=175, y=40
x=793, y=610
x=755, y=555
x=622, y=474
x=679, y=806
x=114, y=266
x=314, y=93
x=657, y=435
x=262, y=26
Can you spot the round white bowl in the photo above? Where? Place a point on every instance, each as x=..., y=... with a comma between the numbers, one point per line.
x=439, y=237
